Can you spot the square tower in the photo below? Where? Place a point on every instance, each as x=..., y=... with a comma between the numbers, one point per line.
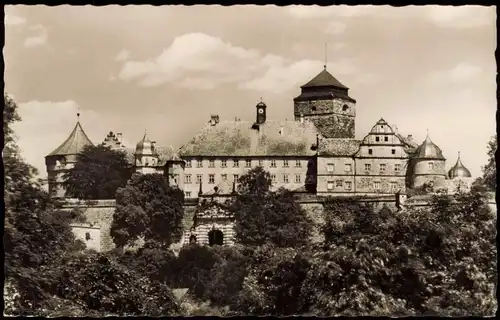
x=326, y=102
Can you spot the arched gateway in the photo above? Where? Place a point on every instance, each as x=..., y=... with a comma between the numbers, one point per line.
x=215, y=237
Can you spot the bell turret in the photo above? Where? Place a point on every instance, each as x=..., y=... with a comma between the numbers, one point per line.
x=146, y=158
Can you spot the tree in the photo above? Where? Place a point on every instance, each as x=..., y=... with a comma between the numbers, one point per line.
x=438, y=260
x=273, y=283
x=489, y=178
x=36, y=234
x=99, y=283
x=148, y=208
x=265, y=216
x=98, y=173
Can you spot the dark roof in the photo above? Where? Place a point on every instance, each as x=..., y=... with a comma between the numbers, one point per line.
x=324, y=79
x=323, y=95
x=237, y=138
x=74, y=144
x=338, y=147
x=428, y=150
x=459, y=170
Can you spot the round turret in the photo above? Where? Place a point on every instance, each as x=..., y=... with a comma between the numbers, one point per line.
x=428, y=165
x=459, y=170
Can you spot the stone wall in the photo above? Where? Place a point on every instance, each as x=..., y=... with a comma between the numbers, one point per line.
x=88, y=234
x=98, y=214
x=334, y=118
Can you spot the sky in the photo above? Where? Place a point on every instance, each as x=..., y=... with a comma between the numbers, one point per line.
x=167, y=69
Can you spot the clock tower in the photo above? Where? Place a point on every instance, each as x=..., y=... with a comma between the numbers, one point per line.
x=261, y=112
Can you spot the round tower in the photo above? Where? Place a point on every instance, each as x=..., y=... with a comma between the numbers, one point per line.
x=428, y=166
x=175, y=169
x=460, y=178
x=64, y=157
x=146, y=158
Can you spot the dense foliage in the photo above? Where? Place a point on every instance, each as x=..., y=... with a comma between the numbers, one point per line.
x=264, y=216
x=98, y=173
x=36, y=233
x=489, y=178
x=47, y=273
x=148, y=208
x=102, y=284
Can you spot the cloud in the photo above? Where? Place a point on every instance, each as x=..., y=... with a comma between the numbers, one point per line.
x=122, y=55
x=285, y=75
x=201, y=61
x=460, y=73
x=39, y=39
x=13, y=20
x=461, y=16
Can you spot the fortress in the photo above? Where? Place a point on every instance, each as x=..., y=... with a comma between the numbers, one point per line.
x=316, y=155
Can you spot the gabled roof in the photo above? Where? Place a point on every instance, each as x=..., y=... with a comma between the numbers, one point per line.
x=74, y=144
x=238, y=139
x=324, y=79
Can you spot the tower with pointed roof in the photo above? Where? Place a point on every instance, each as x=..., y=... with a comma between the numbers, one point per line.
x=428, y=166
x=326, y=102
x=64, y=157
x=146, y=157
x=460, y=178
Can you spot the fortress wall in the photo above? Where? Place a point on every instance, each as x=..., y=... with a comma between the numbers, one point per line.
x=99, y=215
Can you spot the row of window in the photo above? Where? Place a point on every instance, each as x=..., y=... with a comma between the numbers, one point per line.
x=236, y=163
x=386, y=138
x=330, y=167
x=347, y=185
x=370, y=151
x=211, y=178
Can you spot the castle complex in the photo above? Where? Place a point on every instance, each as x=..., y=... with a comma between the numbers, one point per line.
x=316, y=154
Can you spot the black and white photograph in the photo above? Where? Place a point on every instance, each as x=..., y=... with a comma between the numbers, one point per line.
x=250, y=160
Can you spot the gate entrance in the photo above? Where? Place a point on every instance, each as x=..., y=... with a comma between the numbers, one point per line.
x=215, y=237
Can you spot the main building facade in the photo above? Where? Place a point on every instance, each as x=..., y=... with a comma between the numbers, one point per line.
x=317, y=153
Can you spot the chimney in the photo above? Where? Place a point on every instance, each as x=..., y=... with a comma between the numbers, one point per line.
x=119, y=137
x=282, y=131
x=214, y=119
x=301, y=118
x=410, y=137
